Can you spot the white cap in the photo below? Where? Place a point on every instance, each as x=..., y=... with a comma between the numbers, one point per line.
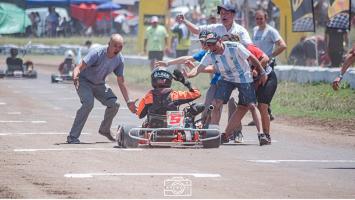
x=154, y=19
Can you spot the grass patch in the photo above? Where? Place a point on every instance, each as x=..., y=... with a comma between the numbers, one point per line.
x=130, y=42
x=314, y=100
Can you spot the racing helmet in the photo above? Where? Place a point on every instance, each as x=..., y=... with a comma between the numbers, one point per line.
x=13, y=51
x=161, y=78
x=69, y=54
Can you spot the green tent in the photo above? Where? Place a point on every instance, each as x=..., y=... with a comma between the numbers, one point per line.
x=12, y=19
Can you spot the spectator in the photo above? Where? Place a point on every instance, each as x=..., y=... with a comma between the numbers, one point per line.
x=231, y=60
x=52, y=22
x=155, y=41
x=269, y=41
x=349, y=60
x=335, y=39
x=89, y=80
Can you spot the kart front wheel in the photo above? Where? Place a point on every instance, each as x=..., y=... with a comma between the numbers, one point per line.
x=124, y=139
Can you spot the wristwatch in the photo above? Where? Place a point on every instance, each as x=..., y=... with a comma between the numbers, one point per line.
x=129, y=101
x=340, y=76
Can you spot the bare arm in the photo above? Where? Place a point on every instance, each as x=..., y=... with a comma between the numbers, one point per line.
x=264, y=61
x=176, y=61
x=192, y=27
x=280, y=47
x=255, y=62
x=195, y=71
x=131, y=104
x=78, y=69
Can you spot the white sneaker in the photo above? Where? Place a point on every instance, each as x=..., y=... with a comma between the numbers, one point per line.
x=239, y=137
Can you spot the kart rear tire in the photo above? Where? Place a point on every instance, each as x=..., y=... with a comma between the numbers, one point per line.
x=212, y=133
x=125, y=140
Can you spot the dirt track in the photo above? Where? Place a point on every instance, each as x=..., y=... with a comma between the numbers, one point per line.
x=36, y=115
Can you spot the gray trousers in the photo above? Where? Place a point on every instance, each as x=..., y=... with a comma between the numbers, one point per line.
x=87, y=92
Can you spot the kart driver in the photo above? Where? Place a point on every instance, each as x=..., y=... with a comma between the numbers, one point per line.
x=12, y=62
x=162, y=98
x=68, y=65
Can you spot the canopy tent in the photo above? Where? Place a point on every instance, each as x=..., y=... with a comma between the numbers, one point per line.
x=85, y=13
x=109, y=6
x=54, y=3
x=89, y=13
x=13, y=19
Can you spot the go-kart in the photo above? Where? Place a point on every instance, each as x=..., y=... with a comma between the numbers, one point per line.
x=57, y=78
x=19, y=71
x=177, y=128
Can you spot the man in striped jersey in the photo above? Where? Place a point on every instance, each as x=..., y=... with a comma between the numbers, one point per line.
x=230, y=59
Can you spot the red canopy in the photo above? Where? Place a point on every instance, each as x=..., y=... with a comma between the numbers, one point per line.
x=87, y=14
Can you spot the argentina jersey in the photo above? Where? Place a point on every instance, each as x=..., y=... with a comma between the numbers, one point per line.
x=232, y=64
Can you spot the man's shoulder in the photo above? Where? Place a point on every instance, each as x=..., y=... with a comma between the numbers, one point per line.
x=230, y=44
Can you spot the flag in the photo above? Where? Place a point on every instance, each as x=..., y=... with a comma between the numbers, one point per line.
x=302, y=16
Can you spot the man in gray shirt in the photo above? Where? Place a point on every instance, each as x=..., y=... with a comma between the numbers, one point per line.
x=89, y=80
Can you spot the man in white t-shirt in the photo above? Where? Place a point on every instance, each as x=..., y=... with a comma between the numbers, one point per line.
x=227, y=27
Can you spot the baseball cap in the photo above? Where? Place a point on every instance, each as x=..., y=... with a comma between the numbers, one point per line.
x=212, y=38
x=203, y=34
x=227, y=6
x=154, y=19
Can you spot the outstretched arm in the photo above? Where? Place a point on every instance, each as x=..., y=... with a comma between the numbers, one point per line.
x=192, y=27
x=349, y=60
x=130, y=103
x=176, y=61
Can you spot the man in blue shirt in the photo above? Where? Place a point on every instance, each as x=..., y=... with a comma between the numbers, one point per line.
x=89, y=80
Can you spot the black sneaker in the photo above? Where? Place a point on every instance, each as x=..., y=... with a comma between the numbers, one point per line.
x=224, y=138
x=263, y=139
x=108, y=135
x=72, y=140
x=268, y=138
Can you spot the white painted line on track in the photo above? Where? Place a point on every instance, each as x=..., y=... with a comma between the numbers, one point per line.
x=2, y=103
x=76, y=149
x=38, y=122
x=91, y=175
x=14, y=113
x=43, y=133
x=303, y=161
x=21, y=121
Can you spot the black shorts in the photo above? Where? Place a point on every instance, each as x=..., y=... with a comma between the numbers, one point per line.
x=265, y=93
x=155, y=55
